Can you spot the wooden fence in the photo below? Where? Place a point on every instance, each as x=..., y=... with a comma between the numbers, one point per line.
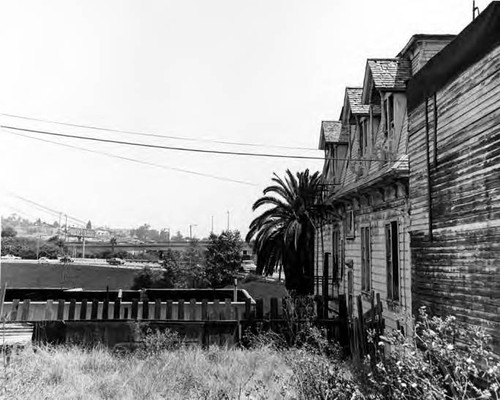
x=365, y=324
x=221, y=322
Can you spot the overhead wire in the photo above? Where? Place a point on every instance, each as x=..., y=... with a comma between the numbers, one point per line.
x=183, y=149
x=128, y=132
x=138, y=161
x=45, y=208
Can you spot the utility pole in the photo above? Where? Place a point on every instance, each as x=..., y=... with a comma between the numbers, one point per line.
x=191, y=230
x=83, y=245
x=228, y=220
x=212, y=230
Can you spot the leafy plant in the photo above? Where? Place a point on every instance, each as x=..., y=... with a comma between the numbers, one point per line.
x=223, y=258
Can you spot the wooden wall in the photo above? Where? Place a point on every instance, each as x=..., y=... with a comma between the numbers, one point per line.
x=455, y=232
x=376, y=219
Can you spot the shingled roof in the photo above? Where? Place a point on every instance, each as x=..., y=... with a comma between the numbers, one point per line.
x=390, y=73
x=330, y=133
x=354, y=97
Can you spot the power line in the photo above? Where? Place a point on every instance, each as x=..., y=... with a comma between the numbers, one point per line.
x=137, y=161
x=184, y=149
x=154, y=146
x=47, y=209
x=157, y=135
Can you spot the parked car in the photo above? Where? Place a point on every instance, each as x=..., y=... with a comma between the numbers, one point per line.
x=43, y=260
x=248, y=266
x=10, y=257
x=115, y=261
x=66, y=259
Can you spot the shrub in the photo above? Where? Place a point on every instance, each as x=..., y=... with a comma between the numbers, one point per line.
x=433, y=364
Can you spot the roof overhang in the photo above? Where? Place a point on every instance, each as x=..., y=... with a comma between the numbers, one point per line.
x=473, y=43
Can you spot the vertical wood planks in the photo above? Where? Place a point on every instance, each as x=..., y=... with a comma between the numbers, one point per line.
x=157, y=314
x=15, y=307
x=180, y=310
x=83, y=309
x=169, y=309
x=216, y=309
x=259, y=309
x=145, y=309
x=48, y=310
x=26, y=310
x=116, y=308
x=248, y=309
x=93, y=310
x=71, y=312
x=60, y=309
x=192, y=309
x=105, y=309
x=227, y=310
x=135, y=309
x=204, y=310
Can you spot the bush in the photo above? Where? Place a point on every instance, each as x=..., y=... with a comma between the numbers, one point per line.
x=434, y=364
x=155, y=341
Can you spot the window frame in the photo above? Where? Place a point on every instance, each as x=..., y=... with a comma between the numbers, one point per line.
x=366, y=259
x=393, y=262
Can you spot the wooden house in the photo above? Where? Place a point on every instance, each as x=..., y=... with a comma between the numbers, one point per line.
x=368, y=250
x=454, y=176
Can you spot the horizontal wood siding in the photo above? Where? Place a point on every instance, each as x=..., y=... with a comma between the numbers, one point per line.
x=376, y=220
x=458, y=272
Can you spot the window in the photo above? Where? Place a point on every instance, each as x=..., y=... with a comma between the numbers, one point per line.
x=349, y=225
x=388, y=111
x=392, y=260
x=363, y=137
x=366, y=269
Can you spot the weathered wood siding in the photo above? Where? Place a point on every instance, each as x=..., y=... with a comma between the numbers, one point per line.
x=456, y=248
x=424, y=52
x=376, y=217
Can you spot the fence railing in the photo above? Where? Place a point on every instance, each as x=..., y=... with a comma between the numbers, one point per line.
x=205, y=322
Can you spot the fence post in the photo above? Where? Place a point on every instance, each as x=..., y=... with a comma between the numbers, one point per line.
x=60, y=310
x=71, y=312
x=83, y=309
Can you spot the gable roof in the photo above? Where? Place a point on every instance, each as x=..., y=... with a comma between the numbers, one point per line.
x=354, y=97
x=330, y=133
x=389, y=73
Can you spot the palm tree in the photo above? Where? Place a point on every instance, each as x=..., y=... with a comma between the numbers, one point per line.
x=284, y=234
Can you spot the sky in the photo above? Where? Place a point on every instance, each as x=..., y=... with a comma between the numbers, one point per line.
x=263, y=73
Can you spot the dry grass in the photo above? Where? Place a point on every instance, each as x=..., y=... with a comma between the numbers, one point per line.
x=75, y=373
